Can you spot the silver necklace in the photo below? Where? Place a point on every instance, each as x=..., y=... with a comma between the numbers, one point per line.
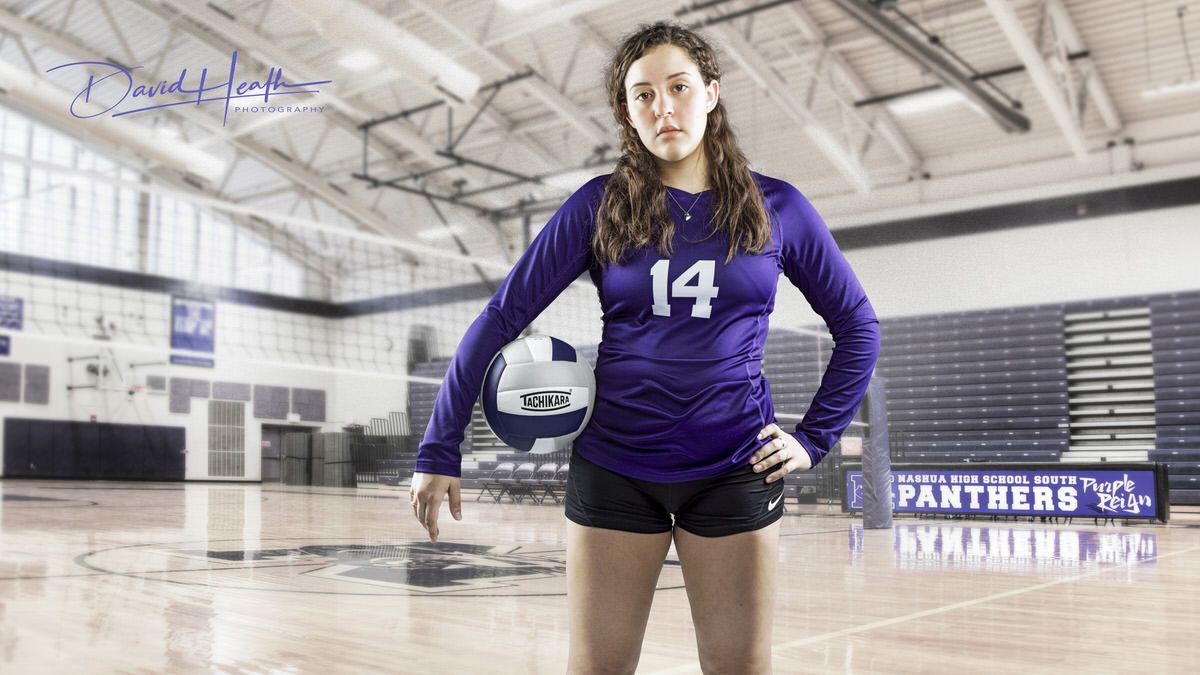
x=687, y=213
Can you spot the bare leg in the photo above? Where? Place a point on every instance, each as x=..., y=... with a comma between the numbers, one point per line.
x=611, y=577
x=731, y=589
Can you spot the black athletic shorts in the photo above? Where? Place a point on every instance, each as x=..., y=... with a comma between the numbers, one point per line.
x=737, y=501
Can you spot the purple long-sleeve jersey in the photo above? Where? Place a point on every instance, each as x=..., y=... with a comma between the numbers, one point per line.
x=679, y=390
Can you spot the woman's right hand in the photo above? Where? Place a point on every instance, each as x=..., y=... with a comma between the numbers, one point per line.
x=425, y=494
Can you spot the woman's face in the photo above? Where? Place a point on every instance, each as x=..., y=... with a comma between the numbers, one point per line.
x=668, y=103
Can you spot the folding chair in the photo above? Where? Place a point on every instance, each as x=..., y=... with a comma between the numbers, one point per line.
x=519, y=485
x=543, y=478
x=558, y=487
x=496, y=482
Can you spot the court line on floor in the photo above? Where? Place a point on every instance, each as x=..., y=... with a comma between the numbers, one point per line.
x=209, y=569
x=269, y=491
x=138, y=573
x=839, y=530
x=883, y=623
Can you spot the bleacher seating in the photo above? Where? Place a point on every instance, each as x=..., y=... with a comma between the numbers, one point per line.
x=983, y=386
x=1175, y=335
x=991, y=385
x=421, y=396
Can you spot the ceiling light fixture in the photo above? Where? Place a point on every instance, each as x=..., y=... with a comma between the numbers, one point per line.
x=1181, y=86
x=358, y=60
x=925, y=101
x=439, y=233
x=522, y=5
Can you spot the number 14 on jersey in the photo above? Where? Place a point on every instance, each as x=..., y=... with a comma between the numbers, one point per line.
x=703, y=290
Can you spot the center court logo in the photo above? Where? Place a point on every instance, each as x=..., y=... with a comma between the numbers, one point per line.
x=544, y=401
x=113, y=91
x=430, y=569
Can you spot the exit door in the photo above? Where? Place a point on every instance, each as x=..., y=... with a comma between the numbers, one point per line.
x=272, y=454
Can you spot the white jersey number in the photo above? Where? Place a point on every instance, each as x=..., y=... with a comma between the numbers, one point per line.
x=703, y=291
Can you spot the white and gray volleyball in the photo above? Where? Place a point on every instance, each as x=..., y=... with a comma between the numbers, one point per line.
x=538, y=394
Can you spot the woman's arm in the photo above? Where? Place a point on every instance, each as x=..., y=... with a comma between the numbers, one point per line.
x=815, y=265
x=556, y=257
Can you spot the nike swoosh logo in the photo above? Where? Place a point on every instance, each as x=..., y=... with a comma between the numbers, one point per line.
x=771, y=504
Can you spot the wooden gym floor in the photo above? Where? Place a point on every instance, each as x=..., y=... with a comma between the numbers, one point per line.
x=171, y=577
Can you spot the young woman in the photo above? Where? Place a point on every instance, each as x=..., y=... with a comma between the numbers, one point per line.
x=685, y=245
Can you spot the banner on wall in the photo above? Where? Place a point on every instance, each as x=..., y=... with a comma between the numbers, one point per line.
x=1128, y=490
x=193, y=324
x=188, y=360
x=12, y=312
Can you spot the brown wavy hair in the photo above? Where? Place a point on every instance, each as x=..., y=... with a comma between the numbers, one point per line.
x=633, y=211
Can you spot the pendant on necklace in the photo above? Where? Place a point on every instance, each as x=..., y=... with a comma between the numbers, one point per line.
x=687, y=216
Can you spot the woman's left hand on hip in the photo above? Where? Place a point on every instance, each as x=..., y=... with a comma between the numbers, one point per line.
x=781, y=455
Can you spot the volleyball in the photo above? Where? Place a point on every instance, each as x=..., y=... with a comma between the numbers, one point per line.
x=538, y=394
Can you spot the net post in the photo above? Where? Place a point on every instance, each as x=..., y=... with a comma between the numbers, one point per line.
x=876, y=459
